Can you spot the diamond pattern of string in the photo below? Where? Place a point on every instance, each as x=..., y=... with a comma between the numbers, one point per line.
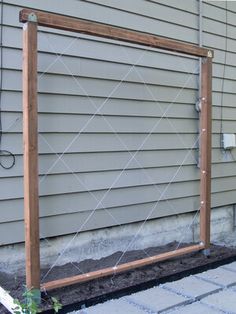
x=113, y=130
x=132, y=155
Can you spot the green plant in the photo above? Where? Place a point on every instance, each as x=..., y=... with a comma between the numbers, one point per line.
x=56, y=305
x=31, y=306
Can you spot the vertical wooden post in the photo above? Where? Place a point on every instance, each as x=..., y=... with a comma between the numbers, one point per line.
x=205, y=151
x=30, y=139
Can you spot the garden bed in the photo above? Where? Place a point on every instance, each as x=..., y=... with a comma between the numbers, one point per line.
x=73, y=297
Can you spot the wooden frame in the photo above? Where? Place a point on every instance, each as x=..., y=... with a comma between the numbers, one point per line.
x=32, y=18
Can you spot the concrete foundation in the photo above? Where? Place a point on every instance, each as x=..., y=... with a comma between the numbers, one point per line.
x=100, y=243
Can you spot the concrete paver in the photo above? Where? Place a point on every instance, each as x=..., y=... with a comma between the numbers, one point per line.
x=231, y=266
x=210, y=292
x=195, y=308
x=157, y=299
x=220, y=276
x=119, y=306
x=224, y=300
x=192, y=287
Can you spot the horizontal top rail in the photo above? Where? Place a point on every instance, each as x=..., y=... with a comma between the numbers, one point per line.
x=103, y=30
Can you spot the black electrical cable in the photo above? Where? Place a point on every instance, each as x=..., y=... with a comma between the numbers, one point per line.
x=3, y=152
x=6, y=153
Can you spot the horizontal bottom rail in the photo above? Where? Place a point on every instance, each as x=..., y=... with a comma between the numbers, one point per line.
x=59, y=283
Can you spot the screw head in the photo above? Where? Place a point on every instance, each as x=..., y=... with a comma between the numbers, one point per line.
x=209, y=54
x=32, y=17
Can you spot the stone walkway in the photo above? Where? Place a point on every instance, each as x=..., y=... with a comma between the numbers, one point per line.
x=210, y=292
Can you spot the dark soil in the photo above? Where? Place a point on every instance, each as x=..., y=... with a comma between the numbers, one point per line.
x=98, y=290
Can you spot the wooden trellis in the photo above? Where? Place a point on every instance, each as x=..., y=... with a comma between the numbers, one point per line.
x=32, y=19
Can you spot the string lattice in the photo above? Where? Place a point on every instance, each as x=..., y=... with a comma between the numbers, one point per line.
x=162, y=193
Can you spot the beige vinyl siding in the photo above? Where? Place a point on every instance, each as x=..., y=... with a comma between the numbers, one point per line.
x=97, y=156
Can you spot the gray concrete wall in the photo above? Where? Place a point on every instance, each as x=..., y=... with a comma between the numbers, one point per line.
x=183, y=228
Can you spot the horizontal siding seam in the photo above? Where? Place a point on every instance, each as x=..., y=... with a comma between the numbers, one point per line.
x=147, y=16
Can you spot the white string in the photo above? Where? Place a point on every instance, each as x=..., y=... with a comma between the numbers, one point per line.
x=154, y=207
x=188, y=227
x=11, y=125
x=156, y=101
x=78, y=178
x=100, y=107
x=58, y=57
x=118, y=138
x=87, y=123
x=39, y=78
x=49, y=244
x=109, y=124
x=60, y=157
x=113, y=130
x=117, y=178
x=81, y=182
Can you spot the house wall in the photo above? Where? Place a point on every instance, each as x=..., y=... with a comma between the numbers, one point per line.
x=95, y=156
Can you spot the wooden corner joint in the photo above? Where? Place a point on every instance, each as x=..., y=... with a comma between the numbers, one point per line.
x=78, y=25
